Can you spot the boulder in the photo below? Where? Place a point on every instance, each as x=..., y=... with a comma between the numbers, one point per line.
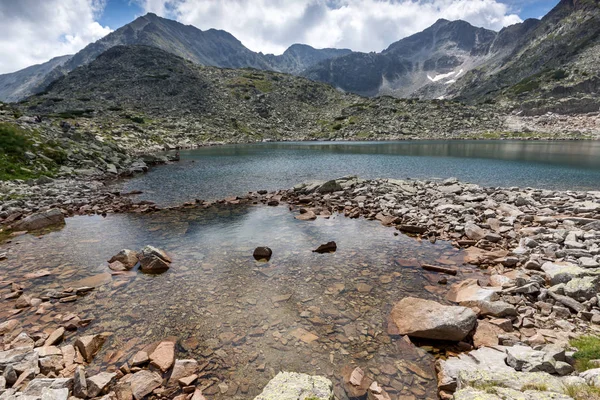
x=307, y=216
x=182, y=369
x=128, y=258
x=37, y=385
x=469, y=293
x=144, y=382
x=153, y=260
x=41, y=220
x=496, y=308
x=262, y=253
x=488, y=359
x=562, y=272
x=329, y=187
x=582, y=289
x=163, y=356
x=356, y=384
x=486, y=334
x=591, y=376
x=474, y=232
x=509, y=379
x=89, y=345
x=294, y=386
x=99, y=382
x=328, y=247
x=80, y=383
x=430, y=320
x=153, y=251
x=526, y=359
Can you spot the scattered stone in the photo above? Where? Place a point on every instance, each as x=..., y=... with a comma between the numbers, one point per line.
x=144, y=382
x=127, y=258
x=97, y=384
x=328, y=247
x=262, y=253
x=89, y=346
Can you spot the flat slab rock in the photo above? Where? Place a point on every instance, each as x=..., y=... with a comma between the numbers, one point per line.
x=485, y=359
x=294, y=386
x=430, y=320
x=41, y=220
x=517, y=381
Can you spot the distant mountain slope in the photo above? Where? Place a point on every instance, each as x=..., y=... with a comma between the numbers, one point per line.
x=422, y=65
x=17, y=85
x=554, y=67
x=299, y=57
x=164, y=98
x=211, y=47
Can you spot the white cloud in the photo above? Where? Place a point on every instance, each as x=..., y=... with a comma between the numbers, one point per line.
x=362, y=25
x=34, y=31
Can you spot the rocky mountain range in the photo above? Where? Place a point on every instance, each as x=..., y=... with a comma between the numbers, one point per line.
x=142, y=96
x=211, y=48
x=533, y=67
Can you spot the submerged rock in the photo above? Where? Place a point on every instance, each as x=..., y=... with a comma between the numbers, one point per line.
x=294, y=386
x=153, y=260
x=41, y=220
x=328, y=247
x=262, y=253
x=430, y=320
x=128, y=258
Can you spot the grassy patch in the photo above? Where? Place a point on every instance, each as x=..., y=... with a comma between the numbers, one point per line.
x=540, y=387
x=588, y=348
x=16, y=144
x=582, y=392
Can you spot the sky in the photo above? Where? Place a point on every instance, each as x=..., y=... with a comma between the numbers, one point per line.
x=34, y=31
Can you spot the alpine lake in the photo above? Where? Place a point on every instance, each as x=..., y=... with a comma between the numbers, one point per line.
x=245, y=320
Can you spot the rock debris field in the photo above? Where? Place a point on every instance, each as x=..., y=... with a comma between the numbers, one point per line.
x=499, y=283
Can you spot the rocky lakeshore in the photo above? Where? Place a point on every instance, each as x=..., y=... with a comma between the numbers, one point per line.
x=512, y=326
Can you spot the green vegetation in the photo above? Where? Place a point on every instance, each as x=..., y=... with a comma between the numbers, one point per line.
x=559, y=74
x=249, y=81
x=134, y=118
x=588, y=348
x=541, y=387
x=72, y=114
x=526, y=85
x=22, y=158
x=582, y=392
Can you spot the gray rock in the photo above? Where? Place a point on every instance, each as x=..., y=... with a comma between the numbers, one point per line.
x=474, y=232
x=582, y=289
x=80, y=383
x=491, y=359
x=99, y=382
x=55, y=394
x=526, y=359
x=329, y=187
x=591, y=376
x=294, y=386
x=37, y=385
x=41, y=220
x=562, y=272
x=144, y=382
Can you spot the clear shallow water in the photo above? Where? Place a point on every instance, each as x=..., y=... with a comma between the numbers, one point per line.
x=216, y=172
x=302, y=311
